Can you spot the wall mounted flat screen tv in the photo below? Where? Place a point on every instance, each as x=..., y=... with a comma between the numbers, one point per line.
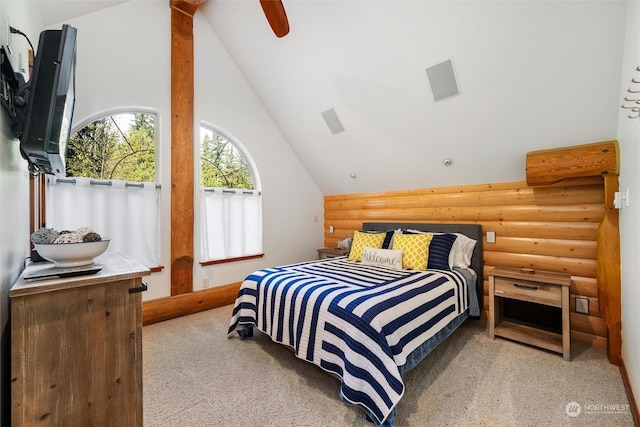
x=50, y=102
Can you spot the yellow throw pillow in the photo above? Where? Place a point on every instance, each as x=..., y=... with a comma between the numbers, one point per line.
x=415, y=249
x=360, y=240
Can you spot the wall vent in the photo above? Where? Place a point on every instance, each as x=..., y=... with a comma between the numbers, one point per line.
x=442, y=80
x=332, y=121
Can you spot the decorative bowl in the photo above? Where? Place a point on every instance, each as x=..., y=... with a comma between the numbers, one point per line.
x=72, y=254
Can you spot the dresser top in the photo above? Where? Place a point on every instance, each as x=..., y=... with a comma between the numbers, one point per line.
x=115, y=266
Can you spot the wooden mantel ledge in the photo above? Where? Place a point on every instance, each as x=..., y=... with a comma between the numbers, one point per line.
x=547, y=167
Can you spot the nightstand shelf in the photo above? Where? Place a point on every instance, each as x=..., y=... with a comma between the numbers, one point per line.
x=530, y=335
x=534, y=287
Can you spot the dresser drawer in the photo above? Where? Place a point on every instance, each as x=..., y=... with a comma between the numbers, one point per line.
x=540, y=293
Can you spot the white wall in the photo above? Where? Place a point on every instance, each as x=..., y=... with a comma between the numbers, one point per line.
x=131, y=67
x=291, y=199
x=14, y=198
x=629, y=139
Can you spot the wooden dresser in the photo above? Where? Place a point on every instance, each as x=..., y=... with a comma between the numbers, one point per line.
x=76, y=347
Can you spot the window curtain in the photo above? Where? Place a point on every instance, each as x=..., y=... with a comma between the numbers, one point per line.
x=231, y=223
x=127, y=213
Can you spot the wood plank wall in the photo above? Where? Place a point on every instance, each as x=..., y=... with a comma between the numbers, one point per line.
x=546, y=228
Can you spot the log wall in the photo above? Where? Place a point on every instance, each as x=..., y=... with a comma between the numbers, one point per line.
x=550, y=228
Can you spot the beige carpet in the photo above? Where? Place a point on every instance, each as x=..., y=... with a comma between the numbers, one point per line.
x=195, y=376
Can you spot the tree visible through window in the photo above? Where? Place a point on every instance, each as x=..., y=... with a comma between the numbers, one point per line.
x=117, y=146
x=222, y=165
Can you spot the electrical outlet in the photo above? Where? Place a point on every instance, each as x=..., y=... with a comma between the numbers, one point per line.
x=205, y=283
x=582, y=305
x=331, y=229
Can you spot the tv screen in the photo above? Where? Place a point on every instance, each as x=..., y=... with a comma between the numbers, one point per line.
x=50, y=102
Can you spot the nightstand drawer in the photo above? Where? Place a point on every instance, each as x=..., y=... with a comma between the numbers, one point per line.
x=525, y=290
x=331, y=252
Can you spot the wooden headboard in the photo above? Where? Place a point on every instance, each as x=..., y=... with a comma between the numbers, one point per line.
x=473, y=231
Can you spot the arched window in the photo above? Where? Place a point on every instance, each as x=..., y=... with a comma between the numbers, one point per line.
x=111, y=184
x=231, y=205
x=115, y=146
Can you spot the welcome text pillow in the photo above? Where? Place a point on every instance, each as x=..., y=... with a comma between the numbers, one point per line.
x=382, y=257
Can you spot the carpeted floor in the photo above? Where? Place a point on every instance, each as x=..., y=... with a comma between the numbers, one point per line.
x=195, y=376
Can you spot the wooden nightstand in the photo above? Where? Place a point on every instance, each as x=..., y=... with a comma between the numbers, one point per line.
x=538, y=287
x=331, y=252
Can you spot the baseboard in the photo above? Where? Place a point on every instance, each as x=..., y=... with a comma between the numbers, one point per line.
x=632, y=401
x=161, y=309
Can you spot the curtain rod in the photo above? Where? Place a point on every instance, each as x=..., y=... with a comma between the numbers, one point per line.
x=108, y=183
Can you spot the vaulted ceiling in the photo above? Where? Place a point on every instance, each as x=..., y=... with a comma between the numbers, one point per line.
x=531, y=75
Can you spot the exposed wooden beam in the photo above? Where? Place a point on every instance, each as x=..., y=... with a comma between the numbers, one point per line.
x=182, y=143
x=188, y=7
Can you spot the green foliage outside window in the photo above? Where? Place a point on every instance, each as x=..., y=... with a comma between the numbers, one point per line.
x=222, y=165
x=118, y=146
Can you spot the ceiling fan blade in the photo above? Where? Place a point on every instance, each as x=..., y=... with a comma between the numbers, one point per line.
x=277, y=17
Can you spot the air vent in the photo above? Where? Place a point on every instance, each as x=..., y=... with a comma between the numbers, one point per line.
x=332, y=121
x=442, y=80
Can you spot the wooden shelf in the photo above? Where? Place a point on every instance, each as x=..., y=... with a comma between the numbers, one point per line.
x=530, y=335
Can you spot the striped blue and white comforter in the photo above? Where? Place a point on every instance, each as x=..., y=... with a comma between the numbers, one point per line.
x=357, y=321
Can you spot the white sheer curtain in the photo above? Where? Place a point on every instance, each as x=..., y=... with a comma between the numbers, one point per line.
x=231, y=223
x=127, y=213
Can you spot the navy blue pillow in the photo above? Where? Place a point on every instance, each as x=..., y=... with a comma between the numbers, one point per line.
x=386, y=244
x=387, y=240
x=439, y=249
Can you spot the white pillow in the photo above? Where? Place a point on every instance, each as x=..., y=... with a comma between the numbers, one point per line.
x=461, y=251
x=388, y=258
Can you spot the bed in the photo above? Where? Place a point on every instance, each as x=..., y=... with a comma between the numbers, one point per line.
x=365, y=320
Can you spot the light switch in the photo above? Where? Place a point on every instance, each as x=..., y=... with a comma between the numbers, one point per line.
x=491, y=236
